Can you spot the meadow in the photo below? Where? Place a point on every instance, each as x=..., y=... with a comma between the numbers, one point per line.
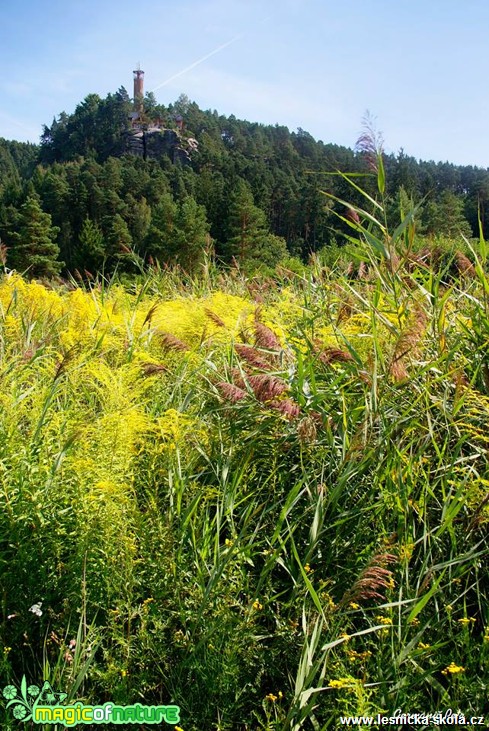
x=264, y=500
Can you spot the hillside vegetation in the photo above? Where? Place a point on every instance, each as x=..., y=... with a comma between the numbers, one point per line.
x=250, y=193
x=262, y=499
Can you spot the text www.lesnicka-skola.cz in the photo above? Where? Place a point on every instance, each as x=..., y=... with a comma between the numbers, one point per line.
x=400, y=718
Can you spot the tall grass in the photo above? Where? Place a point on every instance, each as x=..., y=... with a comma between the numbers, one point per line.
x=265, y=502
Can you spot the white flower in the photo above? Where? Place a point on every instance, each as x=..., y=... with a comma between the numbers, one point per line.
x=36, y=609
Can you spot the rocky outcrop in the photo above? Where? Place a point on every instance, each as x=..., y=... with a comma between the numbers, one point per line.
x=154, y=142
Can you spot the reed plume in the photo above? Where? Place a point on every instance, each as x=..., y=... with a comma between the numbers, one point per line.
x=215, y=318
x=171, y=342
x=252, y=357
x=374, y=578
x=231, y=392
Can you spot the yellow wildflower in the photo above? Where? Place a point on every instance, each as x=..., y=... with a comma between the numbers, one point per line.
x=307, y=568
x=354, y=655
x=383, y=620
x=257, y=605
x=406, y=551
x=453, y=669
x=354, y=605
x=328, y=600
x=340, y=683
x=345, y=636
x=423, y=646
x=466, y=620
x=270, y=697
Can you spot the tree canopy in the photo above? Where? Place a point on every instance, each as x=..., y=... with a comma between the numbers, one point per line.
x=255, y=191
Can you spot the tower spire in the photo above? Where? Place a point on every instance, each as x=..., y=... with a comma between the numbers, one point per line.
x=138, y=88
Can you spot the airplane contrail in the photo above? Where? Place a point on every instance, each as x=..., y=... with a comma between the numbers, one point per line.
x=199, y=61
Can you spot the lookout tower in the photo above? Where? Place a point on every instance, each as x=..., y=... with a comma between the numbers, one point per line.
x=138, y=89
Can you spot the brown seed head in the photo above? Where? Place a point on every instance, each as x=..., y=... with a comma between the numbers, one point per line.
x=170, y=341
x=231, y=392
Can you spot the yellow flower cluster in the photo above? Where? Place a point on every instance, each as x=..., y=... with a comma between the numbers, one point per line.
x=453, y=669
x=354, y=655
x=466, y=620
x=339, y=683
x=273, y=698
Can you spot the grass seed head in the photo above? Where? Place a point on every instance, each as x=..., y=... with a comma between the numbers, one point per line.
x=231, y=392
x=173, y=343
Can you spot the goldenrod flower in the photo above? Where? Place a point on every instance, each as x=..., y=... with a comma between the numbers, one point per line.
x=270, y=697
x=383, y=620
x=340, y=683
x=256, y=605
x=307, y=568
x=466, y=620
x=354, y=605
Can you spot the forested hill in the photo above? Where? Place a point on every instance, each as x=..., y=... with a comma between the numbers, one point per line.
x=96, y=188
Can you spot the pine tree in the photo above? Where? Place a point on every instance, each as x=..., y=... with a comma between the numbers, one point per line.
x=91, y=250
x=445, y=216
x=161, y=231
x=249, y=241
x=33, y=245
x=120, y=240
x=191, y=235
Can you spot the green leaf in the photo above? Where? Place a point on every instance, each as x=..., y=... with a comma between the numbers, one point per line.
x=23, y=688
x=381, y=175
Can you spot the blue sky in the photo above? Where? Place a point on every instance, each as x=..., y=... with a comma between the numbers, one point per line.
x=420, y=67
